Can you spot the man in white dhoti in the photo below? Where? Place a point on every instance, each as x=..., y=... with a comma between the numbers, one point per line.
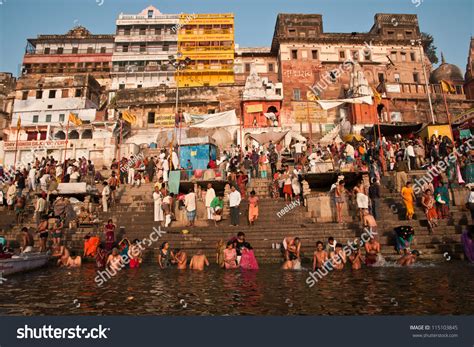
x=166, y=169
x=105, y=196
x=210, y=195
x=158, y=200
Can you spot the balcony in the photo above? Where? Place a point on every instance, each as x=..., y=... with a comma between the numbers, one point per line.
x=69, y=52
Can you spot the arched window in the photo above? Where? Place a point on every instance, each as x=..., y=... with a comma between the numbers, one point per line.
x=60, y=135
x=87, y=134
x=74, y=135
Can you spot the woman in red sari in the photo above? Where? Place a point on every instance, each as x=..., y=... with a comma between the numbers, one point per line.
x=242, y=180
x=428, y=203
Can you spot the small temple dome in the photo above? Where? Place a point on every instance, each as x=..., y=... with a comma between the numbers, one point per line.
x=447, y=72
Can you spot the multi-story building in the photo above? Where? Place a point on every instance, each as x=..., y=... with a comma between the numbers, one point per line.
x=208, y=41
x=76, y=52
x=262, y=59
x=43, y=104
x=144, y=43
x=7, y=89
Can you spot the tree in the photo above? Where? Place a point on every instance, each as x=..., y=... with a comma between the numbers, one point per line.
x=429, y=47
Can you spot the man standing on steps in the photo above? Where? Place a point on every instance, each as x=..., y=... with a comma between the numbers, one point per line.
x=374, y=195
x=190, y=204
x=210, y=195
x=273, y=158
x=234, y=203
x=400, y=174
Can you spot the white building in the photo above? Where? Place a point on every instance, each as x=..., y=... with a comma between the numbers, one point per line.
x=143, y=44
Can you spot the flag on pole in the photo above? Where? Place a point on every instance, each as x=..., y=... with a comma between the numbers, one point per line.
x=18, y=123
x=377, y=96
x=74, y=119
x=129, y=117
x=448, y=87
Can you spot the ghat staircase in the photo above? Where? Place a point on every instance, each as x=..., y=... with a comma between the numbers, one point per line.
x=133, y=215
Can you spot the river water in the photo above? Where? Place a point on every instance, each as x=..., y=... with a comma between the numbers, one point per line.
x=425, y=289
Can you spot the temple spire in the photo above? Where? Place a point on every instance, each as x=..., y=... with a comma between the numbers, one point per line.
x=443, y=61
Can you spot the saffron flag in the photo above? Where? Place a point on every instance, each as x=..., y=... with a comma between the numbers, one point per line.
x=377, y=96
x=447, y=87
x=18, y=123
x=74, y=119
x=129, y=117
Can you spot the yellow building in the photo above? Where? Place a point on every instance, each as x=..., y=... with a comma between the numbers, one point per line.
x=208, y=40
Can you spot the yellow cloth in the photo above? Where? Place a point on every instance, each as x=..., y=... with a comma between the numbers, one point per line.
x=407, y=195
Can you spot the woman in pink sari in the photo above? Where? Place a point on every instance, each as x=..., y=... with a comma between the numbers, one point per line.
x=230, y=256
x=248, y=260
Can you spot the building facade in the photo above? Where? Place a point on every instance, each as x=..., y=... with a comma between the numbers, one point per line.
x=208, y=41
x=144, y=43
x=75, y=53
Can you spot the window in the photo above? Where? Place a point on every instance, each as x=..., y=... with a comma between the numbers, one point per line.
x=294, y=54
x=166, y=47
x=75, y=50
x=355, y=55
x=342, y=55
x=90, y=50
x=247, y=67
x=416, y=77
x=396, y=77
x=390, y=33
x=121, y=86
x=393, y=55
x=150, y=13
x=408, y=33
x=142, y=31
x=39, y=94
x=142, y=48
x=404, y=56
x=64, y=93
x=292, y=32
x=124, y=48
x=60, y=50
x=381, y=77
x=314, y=54
x=271, y=68
x=50, y=107
x=48, y=118
x=151, y=118
x=47, y=50
x=296, y=94
x=52, y=94
x=24, y=95
x=312, y=33
x=103, y=49
x=35, y=119
x=126, y=32
x=61, y=117
x=413, y=56
x=78, y=93
x=139, y=85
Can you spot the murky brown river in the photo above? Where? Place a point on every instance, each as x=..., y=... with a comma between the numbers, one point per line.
x=426, y=289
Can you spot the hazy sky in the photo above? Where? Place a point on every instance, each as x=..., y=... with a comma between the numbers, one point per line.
x=449, y=21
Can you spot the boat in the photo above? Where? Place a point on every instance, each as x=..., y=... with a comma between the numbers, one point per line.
x=23, y=262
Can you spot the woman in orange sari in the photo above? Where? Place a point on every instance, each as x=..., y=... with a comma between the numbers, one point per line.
x=408, y=196
x=253, y=208
x=428, y=203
